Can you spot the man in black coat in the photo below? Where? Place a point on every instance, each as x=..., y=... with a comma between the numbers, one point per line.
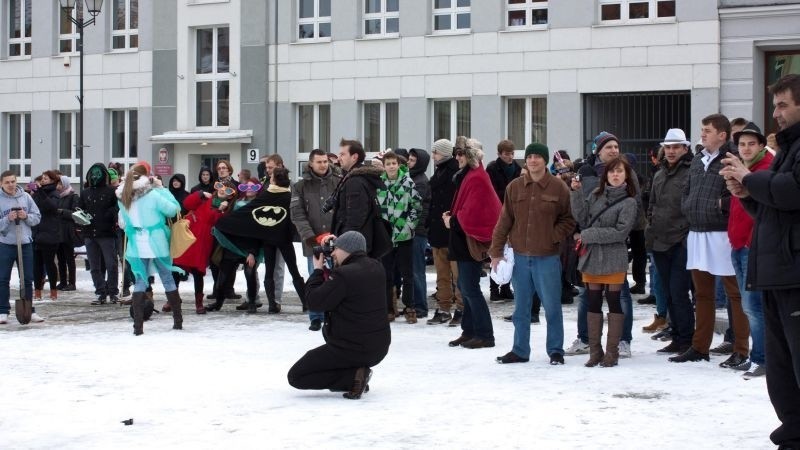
x=356, y=332
x=502, y=171
x=100, y=201
x=354, y=203
x=772, y=197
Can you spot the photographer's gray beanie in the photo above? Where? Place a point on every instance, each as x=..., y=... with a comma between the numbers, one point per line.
x=351, y=242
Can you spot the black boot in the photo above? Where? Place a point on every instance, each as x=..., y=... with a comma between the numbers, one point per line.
x=251, y=305
x=494, y=292
x=505, y=292
x=174, y=300
x=138, y=313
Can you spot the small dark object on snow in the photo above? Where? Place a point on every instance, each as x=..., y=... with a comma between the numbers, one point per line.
x=127, y=422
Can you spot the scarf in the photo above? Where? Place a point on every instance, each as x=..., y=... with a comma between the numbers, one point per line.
x=476, y=206
x=275, y=189
x=443, y=160
x=757, y=158
x=69, y=191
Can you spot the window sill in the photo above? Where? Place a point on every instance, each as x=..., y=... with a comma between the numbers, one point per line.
x=205, y=2
x=117, y=51
x=378, y=37
x=618, y=23
x=19, y=58
x=311, y=41
x=450, y=33
x=522, y=29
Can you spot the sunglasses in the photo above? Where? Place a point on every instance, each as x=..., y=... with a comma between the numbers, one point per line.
x=459, y=153
x=249, y=187
x=226, y=190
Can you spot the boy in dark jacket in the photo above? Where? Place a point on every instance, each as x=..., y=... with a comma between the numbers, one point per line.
x=99, y=201
x=502, y=171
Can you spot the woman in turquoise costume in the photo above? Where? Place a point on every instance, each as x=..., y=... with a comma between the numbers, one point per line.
x=144, y=206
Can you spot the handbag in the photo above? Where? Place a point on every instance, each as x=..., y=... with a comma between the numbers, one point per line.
x=81, y=217
x=477, y=249
x=181, y=237
x=580, y=248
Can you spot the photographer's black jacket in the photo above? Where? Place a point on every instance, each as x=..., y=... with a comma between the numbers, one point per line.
x=354, y=301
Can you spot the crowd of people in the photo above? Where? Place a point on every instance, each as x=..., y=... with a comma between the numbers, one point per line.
x=716, y=218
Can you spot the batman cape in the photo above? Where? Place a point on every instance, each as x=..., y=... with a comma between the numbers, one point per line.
x=265, y=218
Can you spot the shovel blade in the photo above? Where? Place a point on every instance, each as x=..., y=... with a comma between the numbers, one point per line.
x=23, y=309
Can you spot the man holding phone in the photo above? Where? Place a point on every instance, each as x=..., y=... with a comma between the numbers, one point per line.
x=18, y=214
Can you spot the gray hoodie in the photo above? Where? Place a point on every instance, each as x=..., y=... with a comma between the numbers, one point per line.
x=8, y=230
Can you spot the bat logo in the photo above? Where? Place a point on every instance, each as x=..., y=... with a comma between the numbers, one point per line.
x=269, y=216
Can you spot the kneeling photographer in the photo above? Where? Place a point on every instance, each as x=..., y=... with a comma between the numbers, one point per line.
x=356, y=331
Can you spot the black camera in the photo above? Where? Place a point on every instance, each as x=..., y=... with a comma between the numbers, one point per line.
x=325, y=249
x=329, y=204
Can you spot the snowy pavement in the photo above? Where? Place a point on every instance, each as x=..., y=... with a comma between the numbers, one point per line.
x=221, y=383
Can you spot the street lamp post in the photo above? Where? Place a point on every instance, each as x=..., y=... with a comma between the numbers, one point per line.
x=93, y=7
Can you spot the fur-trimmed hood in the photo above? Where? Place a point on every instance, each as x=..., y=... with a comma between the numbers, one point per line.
x=140, y=187
x=370, y=173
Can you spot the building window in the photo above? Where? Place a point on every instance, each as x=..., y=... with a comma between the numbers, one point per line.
x=381, y=125
x=212, y=77
x=313, y=127
x=381, y=18
x=526, y=13
x=526, y=121
x=19, y=145
x=19, y=29
x=125, y=21
x=451, y=118
x=778, y=64
x=67, y=146
x=313, y=19
x=68, y=36
x=636, y=11
x=124, y=137
x=451, y=16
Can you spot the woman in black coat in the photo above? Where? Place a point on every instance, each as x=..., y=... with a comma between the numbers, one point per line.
x=47, y=235
x=67, y=204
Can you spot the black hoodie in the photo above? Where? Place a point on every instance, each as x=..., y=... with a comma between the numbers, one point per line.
x=422, y=184
x=180, y=193
x=205, y=187
x=100, y=201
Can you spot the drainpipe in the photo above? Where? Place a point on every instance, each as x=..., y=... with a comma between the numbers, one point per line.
x=275, y=80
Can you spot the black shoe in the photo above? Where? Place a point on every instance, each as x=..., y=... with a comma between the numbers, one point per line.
x=211, y=297
x=649, y=300
x=113, y=299
x=535, y=319
x=274, y=308
x=251, y=308
x=213, y=307
x=101, y=300
x=495, y=297
x=505, y=292
x=245, y=305
x=126, y=292
x=478, y=343
x=316, y=324
x=674, y=347
x=457, y=342
x=556, y=359
x=638, y=288
x=439, y=317
x=510, y=358
x=456, y=320
x=734, y=360
x=690, y=355
x=232, y=296
x=666, y=332
x=360, y=384
x=508, y=318
x=725, y=348
x=61, y=286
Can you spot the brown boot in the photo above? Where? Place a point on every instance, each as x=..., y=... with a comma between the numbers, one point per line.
x=166, y=307
x=53, y=294
x=37, y=294
x=595, y=322
x=138, y=312
x=198, y=303
x=411, y=315
x=174, y=300
x=659, y=323
x=612, y=339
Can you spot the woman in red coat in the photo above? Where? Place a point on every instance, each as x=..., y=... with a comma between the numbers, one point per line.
x=204, y=211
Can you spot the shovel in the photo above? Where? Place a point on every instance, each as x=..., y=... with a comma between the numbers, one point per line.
x=23, y=306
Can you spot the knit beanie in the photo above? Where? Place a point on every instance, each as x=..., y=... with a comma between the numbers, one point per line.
x=146, y=166
x=537, y=149
x=351, y=242
x=112, y=175
x=601, y=140
x=443, y=147
x=65, y=181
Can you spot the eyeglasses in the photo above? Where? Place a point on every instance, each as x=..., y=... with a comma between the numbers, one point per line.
x=459, y=153
x=249, y=187
x=226, y=190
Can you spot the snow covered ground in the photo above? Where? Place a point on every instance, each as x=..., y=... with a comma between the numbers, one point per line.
x=221, y=383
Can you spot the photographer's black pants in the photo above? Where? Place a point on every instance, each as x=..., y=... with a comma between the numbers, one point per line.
x=326, y=367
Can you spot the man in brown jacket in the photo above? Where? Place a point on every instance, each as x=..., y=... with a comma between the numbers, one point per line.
x=535, y=218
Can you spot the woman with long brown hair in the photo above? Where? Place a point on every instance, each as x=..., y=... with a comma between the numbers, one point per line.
x=144, y=206
x=47, y=236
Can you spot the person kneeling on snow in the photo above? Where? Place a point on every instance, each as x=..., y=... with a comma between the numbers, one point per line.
x=356, y=331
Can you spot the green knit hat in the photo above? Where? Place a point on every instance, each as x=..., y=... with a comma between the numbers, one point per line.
x=113, y=175
x=538, y=149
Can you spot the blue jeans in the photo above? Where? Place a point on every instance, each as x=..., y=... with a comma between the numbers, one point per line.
x=542, y=275
x=8, y=255
x=627, y=309
x=677, y=280
x=418, y=268
x=657, y=288
x=140, y=285
x=476, y=321
x=313, y=314
x=752, y=305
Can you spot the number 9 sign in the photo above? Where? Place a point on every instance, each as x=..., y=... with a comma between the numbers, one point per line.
x=252, y=156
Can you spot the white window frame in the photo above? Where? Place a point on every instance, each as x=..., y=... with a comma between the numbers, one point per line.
x=453, y=115
x=126, y=160
x=214, y=77
x=22, y=161
x=315, y=20
x=383, y=16
x=529, y=6
x=73, y=36
x=382, y=144
x=127, y=32
x=625, y=10
x=519, y=152
x=73, y=161
x=23, y=40
x=453, y=11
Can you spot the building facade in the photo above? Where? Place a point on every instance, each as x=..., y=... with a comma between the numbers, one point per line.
x=202, y=80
